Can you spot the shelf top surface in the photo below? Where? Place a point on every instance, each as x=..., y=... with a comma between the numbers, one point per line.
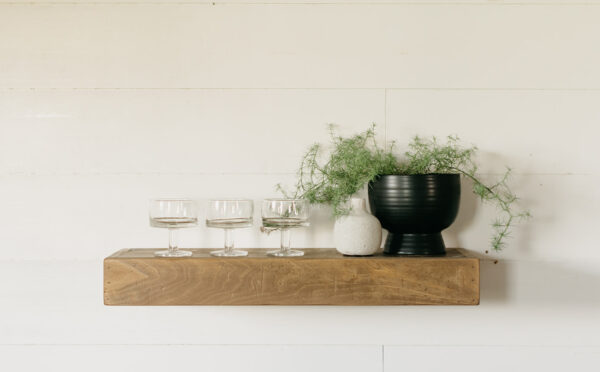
x=254, y=253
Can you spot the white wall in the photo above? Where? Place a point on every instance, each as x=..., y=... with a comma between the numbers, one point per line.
x=106, y=104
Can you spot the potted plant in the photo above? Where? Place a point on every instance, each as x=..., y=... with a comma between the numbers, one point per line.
x=415, y=208
x=415, y=196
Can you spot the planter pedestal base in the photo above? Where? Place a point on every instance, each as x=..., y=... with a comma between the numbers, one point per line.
x=414, y=245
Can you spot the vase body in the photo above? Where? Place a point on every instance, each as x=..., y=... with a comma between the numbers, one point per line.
x=415, y=209
x=359, y=233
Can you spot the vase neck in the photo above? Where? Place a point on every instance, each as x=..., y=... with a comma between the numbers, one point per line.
x=358, y=205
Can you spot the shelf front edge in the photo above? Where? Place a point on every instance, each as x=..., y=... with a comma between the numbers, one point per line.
x=323, y=277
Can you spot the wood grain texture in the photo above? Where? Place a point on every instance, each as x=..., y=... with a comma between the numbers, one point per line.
x=321, y=277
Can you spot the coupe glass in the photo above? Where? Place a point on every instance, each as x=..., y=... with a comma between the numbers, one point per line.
x=173, y=214
x=284, y=215
x=229, y=215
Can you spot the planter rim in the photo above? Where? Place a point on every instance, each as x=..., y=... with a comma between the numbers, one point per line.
x=419, y=175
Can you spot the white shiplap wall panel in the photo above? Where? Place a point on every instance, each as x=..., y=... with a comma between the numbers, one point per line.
x=217, y=358
x=174, y=131
x=88, y=217
x=493, y=359
x=564, y=210
x=314, y=46
x=96, y=117
x=533, y=132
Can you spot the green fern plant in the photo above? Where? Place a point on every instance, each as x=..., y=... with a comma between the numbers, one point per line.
x=352, y=163
x=356, y=160
x=429, y=156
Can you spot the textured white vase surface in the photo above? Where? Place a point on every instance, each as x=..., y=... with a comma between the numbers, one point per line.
x=359, y=233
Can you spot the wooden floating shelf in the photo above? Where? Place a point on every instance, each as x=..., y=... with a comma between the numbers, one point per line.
x=320, y=277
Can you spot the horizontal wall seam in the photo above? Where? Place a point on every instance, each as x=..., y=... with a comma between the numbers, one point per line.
x=536, y=346
x=170, y=174
x=217, y=3
x=10, y=89
x=186, y=344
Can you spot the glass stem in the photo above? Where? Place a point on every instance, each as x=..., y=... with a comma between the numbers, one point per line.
x=285, y=240
x=228, y=240
x=172, y=240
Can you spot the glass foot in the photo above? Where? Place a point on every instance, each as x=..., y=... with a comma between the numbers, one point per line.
x=176, y=253
x=233, y=253
x=288, y=253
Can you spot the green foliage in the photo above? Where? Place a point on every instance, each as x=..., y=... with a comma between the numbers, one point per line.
x=429, y=156
x=355, y=161
x=352, y=163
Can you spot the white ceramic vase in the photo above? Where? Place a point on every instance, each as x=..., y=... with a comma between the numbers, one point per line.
x=359, y=233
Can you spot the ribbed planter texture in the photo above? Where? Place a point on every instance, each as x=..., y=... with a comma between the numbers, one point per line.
x=415, y=209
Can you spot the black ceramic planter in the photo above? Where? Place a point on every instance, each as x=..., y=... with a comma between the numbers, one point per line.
x=415, y=209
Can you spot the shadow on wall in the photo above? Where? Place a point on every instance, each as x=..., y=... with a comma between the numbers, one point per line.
x=540, y=283
x=552, y=284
